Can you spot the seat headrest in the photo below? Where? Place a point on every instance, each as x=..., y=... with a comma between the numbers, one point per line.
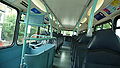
x=105, y=39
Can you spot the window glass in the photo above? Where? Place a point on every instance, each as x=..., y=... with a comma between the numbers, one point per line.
x=69, y=33
x=8, y=17
x=98, y=27
x=31, y=30
x=118, y=23
x=107, y=26
x=118, y=30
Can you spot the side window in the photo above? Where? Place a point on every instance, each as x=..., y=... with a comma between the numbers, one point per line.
x=106, y=25
x=118, y=23
x=8, y=17
x=118, y=30
x=98, y=27
x=31, y=30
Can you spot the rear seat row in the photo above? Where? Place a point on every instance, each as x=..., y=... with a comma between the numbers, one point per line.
x=100, y=51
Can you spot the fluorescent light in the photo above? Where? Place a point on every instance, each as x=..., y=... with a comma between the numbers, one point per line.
x=83, y=20
x=51, y=17
x=99, y=4
x=79, y=25
x=40, y=5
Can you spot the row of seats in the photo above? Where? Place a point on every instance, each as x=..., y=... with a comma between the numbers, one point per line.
x=78, y=50
x=100, y=51
x=58, y=41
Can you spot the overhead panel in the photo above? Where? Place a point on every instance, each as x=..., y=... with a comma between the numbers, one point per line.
x=67, y=11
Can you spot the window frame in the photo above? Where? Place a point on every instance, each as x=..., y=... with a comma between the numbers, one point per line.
x=115, y=23
x=15, y=35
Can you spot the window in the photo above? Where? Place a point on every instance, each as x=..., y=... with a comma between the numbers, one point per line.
x=31, y=30
x=8, y=17
x=69, y=33
x=105, y=25
x=98, y=27
x=118, y=30
x=118, y=23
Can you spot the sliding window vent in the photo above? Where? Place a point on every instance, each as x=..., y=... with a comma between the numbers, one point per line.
x=24, y=4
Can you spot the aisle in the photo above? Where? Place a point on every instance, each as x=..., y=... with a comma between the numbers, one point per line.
x=63, y=60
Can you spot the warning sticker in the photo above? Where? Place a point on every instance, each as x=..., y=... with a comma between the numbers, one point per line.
x=99, y=16
x=115, y=5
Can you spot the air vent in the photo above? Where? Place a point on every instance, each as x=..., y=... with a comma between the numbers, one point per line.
x=24, y=4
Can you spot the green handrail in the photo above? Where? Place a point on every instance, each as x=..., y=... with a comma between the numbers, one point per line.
x=51, y=29
x=40, y=35
x=25, y=34
x=91, y=18
x=39, y=39
x=33, y=13
x=34, y=24
x=50, y=21
x=57, y=27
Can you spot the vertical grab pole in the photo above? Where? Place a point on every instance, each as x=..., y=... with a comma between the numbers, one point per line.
x=57, y=27
x=77, y=29
x=25, y=34
x=51, y=29
x=73, y=32
x=90, y=23
x=50, y=21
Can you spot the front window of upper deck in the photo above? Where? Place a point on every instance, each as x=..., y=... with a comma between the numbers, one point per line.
x=8, y=17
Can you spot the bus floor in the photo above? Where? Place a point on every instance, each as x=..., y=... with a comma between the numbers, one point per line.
x=62, y=60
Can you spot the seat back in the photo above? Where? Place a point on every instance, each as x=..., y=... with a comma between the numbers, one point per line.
x=103, y=51
x=41, y=57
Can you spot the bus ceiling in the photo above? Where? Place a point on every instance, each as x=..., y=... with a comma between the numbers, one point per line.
x=71, y=14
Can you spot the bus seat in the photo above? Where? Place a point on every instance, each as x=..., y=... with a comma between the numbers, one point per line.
x=103, y=51
x=80, y=50
x=40, y=57
x=84, y=39
x=10, y=57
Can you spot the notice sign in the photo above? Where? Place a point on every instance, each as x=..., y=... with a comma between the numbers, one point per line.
x=115, y=5
x=99, y=16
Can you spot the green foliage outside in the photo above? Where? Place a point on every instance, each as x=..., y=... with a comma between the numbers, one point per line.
x=106, y=26
x=8, y=27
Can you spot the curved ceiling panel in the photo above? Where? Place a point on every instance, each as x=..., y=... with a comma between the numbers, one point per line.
x=67, y=11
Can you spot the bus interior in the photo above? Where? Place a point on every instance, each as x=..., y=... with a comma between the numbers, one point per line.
x=59, y=33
